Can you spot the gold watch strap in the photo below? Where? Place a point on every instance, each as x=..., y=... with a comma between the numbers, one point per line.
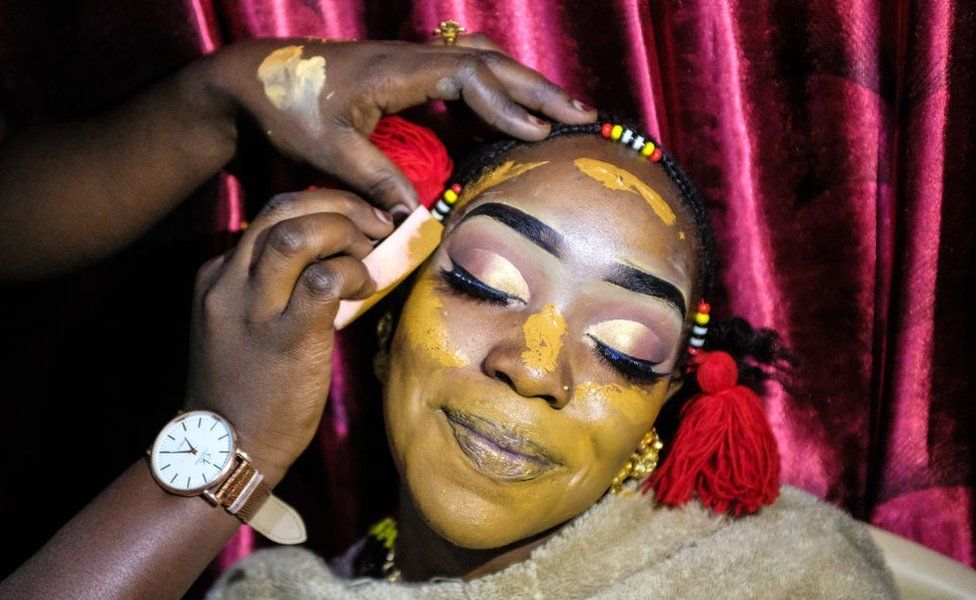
x=245, y=495
x=244, y=492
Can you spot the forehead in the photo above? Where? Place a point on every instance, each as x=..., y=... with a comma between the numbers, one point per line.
x=607, y=200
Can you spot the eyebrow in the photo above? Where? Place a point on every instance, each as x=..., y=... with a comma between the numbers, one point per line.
x=523, y=223
x=638, y=281
x=551, y=241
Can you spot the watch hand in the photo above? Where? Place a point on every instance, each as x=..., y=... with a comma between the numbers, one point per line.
x=192, y=449
x=177, y=451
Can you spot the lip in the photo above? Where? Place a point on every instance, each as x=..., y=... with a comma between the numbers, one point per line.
x=497, y=450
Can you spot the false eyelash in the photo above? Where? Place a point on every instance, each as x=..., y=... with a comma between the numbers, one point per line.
x=634, y=369
x=467, y=284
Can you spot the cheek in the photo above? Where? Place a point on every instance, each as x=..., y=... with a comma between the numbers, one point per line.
x=618, y=416
x=423, y=326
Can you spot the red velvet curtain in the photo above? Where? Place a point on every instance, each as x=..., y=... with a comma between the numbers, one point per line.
x=834, y=141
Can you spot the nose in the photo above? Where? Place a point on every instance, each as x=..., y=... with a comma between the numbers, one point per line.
x=505, y=363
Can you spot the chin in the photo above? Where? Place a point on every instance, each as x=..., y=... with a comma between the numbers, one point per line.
x=467, y=519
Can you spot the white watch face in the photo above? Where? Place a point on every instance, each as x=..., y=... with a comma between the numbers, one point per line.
x=192, y=452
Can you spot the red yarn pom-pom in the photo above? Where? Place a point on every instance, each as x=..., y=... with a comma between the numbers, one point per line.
x=724, y=450
x=416, y=151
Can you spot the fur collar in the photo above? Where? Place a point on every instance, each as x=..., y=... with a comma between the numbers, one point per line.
x=625, y=547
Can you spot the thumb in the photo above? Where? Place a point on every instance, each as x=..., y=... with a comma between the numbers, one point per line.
x=364, y=167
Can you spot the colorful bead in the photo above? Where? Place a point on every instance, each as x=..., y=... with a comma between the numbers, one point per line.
x=450, y=196
x=626, y=137
x=699, y=330
x=696, y=342
x=638, y=143
x=616, y=132
x=656, y=155
x=606, y=130
x=456, y=188
x=702, y=318
x=703, y=307
x=648, y=148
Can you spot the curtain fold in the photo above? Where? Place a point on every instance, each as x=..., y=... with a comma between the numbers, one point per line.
x=834, y=143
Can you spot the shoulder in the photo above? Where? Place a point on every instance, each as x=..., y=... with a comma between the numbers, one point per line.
x=798, y=547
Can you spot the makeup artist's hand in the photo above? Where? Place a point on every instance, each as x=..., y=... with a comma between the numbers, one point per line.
x=261, y=349
x=319, y=100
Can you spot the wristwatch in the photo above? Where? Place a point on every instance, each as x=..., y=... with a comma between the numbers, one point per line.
x=196, y=454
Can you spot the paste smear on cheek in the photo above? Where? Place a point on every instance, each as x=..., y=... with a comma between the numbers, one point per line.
x=425, y=327
x=631, y=401
x=496, y=176
x=294, y=84
x=614, y=178
x=543, y=331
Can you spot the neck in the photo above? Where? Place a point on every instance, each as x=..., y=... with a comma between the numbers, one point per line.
x=421, y=553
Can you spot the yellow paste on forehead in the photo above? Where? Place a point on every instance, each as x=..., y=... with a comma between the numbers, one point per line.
x=614, y=178
x=425, y=328
x=543, y=332
x=493, y=177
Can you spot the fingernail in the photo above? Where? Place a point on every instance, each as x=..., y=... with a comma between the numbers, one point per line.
x=582, y=106
x=537, y=121
x=399, y=213
x=382, y=215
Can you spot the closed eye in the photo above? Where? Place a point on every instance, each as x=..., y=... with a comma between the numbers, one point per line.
x=466, y=284
x=634, y=369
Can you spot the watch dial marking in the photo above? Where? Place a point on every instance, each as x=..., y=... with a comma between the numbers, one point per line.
x=223, y=436
x=175, y=475
x=171, y=437
x=164, y=468
x=183, y=423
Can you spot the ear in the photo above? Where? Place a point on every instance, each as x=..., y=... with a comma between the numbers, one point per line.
x=676, y=383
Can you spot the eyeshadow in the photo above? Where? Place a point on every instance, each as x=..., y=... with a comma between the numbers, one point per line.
x=631, y=338
x=493, y=270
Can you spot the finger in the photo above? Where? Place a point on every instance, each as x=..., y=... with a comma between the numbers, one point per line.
x=489, y=99
x=526, y=86
x=478, y=41
x=316, y=299
x=208, y=273
x=366, y=169
x=371, y=221
x=531, y=89
x=289, y=247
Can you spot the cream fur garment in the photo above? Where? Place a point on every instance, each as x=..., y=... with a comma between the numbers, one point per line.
x=624, y=547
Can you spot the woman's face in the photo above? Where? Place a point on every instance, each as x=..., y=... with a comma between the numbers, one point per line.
x=535, y=348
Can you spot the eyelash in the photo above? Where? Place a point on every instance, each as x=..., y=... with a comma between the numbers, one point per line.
x=634, y=369
x=466, y=284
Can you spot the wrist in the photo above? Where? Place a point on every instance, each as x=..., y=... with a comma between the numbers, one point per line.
x=272, y=463
x=210, y=115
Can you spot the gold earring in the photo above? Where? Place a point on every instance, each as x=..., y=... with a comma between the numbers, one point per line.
x=641, y=463
x=381, y=361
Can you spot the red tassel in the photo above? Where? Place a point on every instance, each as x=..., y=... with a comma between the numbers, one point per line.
x=417, y=152
x=725, y=450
